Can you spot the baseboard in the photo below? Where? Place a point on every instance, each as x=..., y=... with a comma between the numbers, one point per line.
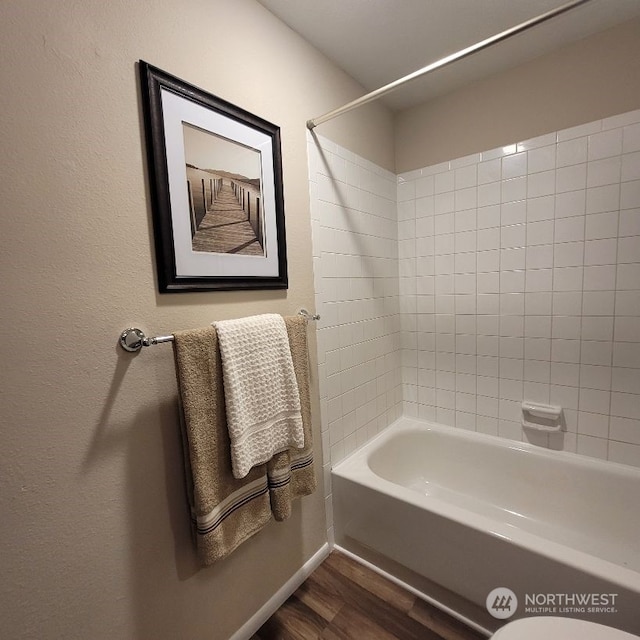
x=276, y=601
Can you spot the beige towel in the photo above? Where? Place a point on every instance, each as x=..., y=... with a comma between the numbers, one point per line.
x=291, y=473
x=260, y=388
x=226, y=511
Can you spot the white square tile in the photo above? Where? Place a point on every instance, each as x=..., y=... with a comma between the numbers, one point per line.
x=425, y=207
x=538, y=304
x=624, y=453
x=511, y=303
x=488, y=239
x=488, y=260
x=514, y=189
x=540, y=232
x=488, y=217
x=511, y=347
x=565, y=350
x=569, y=229
x=425, y=186
x=539, y=257
x=489, y=282
x=514, y=166
x=465, y=241
x=445, y=244
x=572, y=152
x=595, y=401
x=601, y=225
x=444, y=181
x=603, y=199
x=466, y=199
x=600, y=278
x=596, y=353
x=566, y=397
x=537, y=209
x=513, y=236
x=605, y=144
x=537, y=349
x=444, y=202
x=624, y=430
x=487, y=325
x=568, y=254
x=513, y=212
x=600, y=251
x=539, y=280
x=595, y=377
x=565, y=374
x=537, y=371
x=542, y=159
x=490, y=171
x=571, y=178
x=598, y=303
x=512, y=282
x=465, y=220
x=571, y=203
x=512, y=326
x=567, y=279
x=443, y=223
x=541, y=184
x=537, y=326
x=489, y=194
x=597, y=328
x=512, y=259
x=488, y=303
x=628, y=249
x=603, y=172
x=567, y=327
x=593, y=424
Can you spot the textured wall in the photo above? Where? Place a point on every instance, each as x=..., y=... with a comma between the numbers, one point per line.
x=593, y=78
x=94, y=536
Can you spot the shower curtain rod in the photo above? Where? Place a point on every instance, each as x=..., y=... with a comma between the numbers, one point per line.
x=463, y=53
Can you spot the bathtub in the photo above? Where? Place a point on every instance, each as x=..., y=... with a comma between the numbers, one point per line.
x=470, y=513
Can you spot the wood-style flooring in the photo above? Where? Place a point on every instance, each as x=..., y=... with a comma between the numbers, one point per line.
x=343, y=600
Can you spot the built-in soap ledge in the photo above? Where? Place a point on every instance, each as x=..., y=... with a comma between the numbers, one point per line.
x=542, y=417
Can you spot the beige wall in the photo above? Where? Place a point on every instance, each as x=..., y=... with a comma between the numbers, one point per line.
x=94, y=534
x=588, y=80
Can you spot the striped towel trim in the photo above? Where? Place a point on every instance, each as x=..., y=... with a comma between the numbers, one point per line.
x=212, y=520
x=281, y=478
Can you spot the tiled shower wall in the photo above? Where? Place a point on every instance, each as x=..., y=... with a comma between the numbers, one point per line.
x=520, y=279
x=355, y=248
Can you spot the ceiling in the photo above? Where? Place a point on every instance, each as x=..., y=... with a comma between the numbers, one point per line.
x=379, y=41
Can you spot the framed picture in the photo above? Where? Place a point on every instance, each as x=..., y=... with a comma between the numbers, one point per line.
x=216, y=182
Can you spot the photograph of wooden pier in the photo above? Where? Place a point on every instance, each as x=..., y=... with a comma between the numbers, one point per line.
x=225, y=194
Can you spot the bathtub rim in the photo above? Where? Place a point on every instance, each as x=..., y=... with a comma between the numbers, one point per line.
x=355, y=468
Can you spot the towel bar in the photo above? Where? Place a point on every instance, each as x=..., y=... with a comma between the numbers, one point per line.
x=133, y=339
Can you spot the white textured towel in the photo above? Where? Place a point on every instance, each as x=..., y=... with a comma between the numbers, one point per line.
x=261, y=392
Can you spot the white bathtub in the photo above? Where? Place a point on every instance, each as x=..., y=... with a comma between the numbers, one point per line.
x=471, y=513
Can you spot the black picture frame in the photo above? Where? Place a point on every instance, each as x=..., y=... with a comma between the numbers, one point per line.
x=219, y=226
